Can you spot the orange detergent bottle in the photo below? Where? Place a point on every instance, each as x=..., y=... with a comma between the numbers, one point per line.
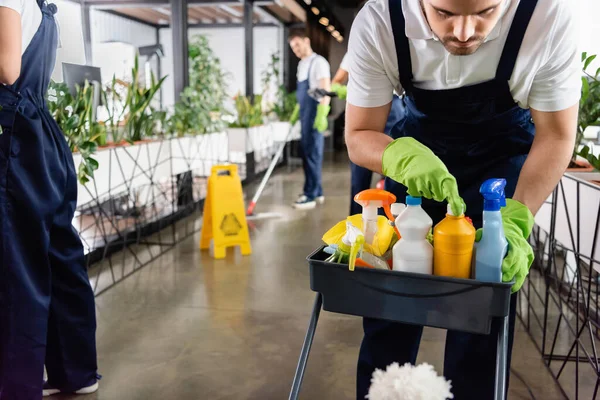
x=453, y=240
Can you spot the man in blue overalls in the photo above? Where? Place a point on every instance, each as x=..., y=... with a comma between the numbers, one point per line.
x=491, y=90
x=47, y=313
x=313, y=73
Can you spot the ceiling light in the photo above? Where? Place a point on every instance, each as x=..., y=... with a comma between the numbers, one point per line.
x=324, y=21
x=336, y=34
x=340, y=39
x=315, y=11
x=331, y=28
x=308, y=2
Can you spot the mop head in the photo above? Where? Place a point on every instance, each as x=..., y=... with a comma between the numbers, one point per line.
x=409, y=383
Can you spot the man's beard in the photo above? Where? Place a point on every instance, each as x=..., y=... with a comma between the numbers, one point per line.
x=454, y=47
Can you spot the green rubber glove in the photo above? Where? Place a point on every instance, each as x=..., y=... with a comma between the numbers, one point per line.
x=414, y=165
x=295, y=114
x=430, y=236
x=321, y=118
x=518, y=223
x=340, y=90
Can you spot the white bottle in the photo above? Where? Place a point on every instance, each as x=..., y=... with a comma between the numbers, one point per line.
x=397, y=209
x=413, y=253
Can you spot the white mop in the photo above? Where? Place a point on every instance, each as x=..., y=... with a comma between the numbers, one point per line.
x=316, y=94
x=249, y=213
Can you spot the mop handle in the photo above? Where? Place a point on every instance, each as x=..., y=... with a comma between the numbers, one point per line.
x=265, y=179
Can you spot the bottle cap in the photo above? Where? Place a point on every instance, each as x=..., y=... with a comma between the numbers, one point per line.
x=397, y=209
x=449, y=212
x=493, y=194
x=413, y=201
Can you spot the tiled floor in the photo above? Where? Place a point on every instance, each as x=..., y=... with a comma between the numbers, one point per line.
x=190, y=327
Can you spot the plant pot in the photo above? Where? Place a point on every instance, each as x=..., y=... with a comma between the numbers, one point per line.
x=237, y=143
x=593, y=176
x=280, y=130
x=124, y=167
x=580, y=165
x=261, y=139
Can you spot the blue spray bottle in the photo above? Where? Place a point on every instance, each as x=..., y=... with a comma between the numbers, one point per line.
x=492, y=247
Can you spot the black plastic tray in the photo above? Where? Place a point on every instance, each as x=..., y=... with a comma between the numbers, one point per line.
x=456, y=304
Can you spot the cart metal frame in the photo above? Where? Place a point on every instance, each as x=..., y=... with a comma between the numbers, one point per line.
x=336, y=280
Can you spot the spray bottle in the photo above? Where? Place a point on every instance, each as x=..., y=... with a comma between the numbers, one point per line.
x=371, y=200
x=492, y=247
x=350, y=247
x=453, y=240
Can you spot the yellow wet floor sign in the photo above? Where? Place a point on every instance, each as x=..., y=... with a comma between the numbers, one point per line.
x=224, y=216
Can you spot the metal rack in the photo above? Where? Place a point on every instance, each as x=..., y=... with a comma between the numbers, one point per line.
x=560, y=303
x=143, y=213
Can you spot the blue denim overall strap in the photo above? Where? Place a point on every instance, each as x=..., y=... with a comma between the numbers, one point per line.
x=312, y=142
x=479, y=132
x=47, y=313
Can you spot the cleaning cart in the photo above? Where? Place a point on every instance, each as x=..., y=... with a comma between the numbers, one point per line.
x=448, y=303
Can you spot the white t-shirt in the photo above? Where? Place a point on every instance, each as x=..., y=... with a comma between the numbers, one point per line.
x=31, y=18
x=345, y=64
x=547, y=74
x=320, y=70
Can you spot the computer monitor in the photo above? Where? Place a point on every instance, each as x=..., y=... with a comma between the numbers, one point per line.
x=76, y=75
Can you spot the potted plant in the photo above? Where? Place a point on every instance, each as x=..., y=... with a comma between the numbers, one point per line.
x=577, y=203
x=196, y=123
x=283, y=104
x=589, y=115
x=200, y=108
x=74, y=115
x=243, y=132
x=585, y=165
x=131, y=117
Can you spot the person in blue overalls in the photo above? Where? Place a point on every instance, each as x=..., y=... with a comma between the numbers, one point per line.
x=360, y=178
x=47, y=312
x=491, y=90
x=313, y=73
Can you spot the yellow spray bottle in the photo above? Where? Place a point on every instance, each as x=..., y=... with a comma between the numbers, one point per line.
x=453, y=240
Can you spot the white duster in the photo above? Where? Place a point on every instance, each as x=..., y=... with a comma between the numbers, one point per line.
x=409, y=383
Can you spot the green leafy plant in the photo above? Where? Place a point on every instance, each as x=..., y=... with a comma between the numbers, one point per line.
x=114, y=100
x=74, y=115
x=591, y=158
x=589, y=109
x=285, y=102
x=284, y=108
x=249, y=113
x=271, y=74
x=201, y=105
x=141, y=117
x=130, y=116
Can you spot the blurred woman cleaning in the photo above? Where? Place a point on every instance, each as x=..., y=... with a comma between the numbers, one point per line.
x=47, y=312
